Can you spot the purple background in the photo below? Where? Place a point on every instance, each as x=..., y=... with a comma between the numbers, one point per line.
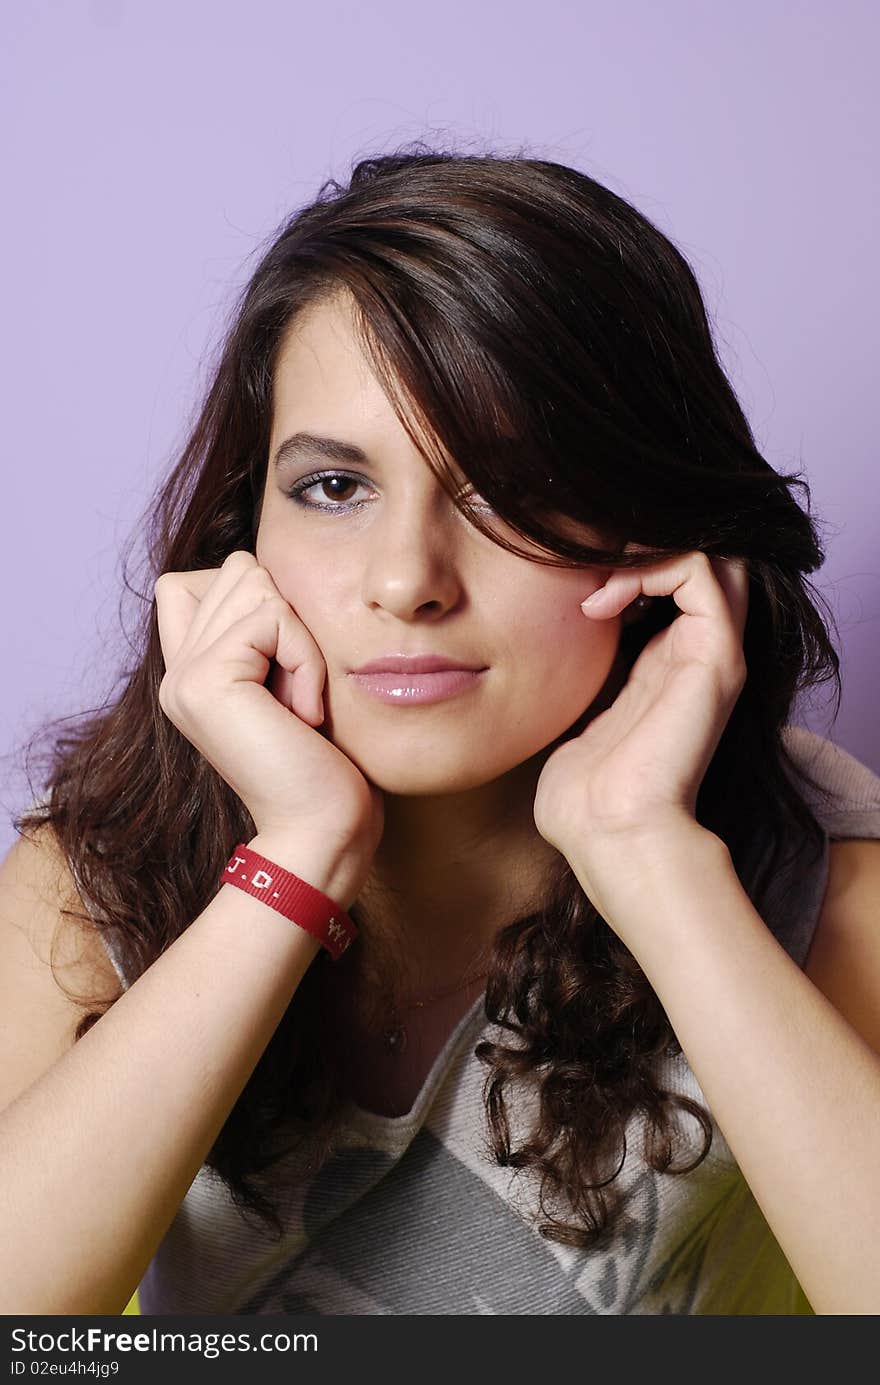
x=149, y=150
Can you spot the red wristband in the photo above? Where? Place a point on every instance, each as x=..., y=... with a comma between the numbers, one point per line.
x=298, y=901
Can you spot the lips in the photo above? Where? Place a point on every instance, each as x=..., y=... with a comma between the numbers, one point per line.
x=418, y=689
x=415, y=663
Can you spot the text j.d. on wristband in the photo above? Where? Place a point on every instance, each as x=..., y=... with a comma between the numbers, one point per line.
x=296, y=899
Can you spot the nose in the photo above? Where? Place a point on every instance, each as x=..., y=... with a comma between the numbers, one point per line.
x=412, y=556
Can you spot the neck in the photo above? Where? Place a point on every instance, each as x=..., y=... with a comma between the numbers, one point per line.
x=450, y=872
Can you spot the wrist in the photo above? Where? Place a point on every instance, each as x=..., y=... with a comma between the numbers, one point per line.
x=622, y=875
x=333, y=867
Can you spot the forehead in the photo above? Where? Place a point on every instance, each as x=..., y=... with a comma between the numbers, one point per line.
x=325, y=384
x=321, y=345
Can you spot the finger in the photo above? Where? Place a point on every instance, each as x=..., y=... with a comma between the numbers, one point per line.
x=688, y=578
x=264, y=631
x=300, y=677
x=733, y=576
x=301, y=680
x=251, y=587
x=185, y=600
x=225, y=596
x=177, y=605
x=210, y=587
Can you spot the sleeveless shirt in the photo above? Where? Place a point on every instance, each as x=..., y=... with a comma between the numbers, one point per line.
x=410, y=1215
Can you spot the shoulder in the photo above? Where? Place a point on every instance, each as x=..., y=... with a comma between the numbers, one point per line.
x=842, y=792
x=844, y=956
x=788, y=883
x=41, y=904
x=53, y=967
x=843, y=960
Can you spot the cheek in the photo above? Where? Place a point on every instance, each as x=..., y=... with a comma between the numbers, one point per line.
x=558, y=632
x=298, y=585
x=571, y=659
x=288, y=567
x=271, y=549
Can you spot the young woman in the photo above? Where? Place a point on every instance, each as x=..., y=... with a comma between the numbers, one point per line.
x=575, y=1008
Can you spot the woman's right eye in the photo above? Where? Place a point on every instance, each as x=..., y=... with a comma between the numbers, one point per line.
x=297, y=492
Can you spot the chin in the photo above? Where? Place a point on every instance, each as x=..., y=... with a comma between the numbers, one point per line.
x=421, y=775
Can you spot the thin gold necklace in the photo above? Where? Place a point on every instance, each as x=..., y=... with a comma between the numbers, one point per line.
x=394, y=1036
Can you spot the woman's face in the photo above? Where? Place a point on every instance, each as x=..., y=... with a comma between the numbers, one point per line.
x=391, y=567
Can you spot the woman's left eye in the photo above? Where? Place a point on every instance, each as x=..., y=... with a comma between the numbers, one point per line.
x=298, y=491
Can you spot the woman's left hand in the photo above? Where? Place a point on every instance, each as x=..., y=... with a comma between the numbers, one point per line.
x=634, y=772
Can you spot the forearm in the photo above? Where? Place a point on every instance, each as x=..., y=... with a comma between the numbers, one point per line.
x=793, y=1087
x=98, y=1154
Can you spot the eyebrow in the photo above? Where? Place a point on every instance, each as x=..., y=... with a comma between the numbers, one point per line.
x=302, y=445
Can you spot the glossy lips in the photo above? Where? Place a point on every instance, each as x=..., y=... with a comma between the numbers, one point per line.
x=414, y=663
x=414, y=680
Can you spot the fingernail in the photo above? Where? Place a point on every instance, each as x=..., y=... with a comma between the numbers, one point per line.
x=594, y=599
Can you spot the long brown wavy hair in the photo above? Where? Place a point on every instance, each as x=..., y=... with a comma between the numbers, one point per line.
x=545, y=335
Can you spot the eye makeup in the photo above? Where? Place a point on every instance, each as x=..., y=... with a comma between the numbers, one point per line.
x=298, y=492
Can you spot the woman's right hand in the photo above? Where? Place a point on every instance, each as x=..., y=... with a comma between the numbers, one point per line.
x=219, y=629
